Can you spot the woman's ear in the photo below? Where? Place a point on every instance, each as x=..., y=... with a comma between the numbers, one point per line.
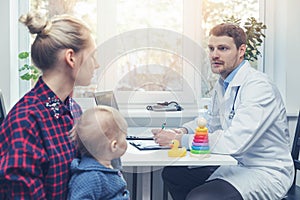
x=70, y=57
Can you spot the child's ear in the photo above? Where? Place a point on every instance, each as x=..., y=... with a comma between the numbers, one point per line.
x=113, y=146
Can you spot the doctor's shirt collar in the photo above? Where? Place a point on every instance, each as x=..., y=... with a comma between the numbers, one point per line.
x=230, y=77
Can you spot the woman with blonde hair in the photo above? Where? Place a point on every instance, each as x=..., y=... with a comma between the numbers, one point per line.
x=35, y=148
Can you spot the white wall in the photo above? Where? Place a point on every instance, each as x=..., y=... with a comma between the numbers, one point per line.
x=4, y=51
x=293, y=56
x=281, y=55
x=9, y=78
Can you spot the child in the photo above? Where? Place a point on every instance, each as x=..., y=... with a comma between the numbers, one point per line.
x=101, y=137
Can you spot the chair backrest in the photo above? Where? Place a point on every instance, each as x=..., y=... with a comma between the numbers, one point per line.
x=296, y=147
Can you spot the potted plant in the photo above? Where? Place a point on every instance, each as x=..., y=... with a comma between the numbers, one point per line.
x=27, y=71
x=254, y=31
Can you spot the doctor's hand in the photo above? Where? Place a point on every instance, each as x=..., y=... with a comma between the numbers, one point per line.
x=164, y=137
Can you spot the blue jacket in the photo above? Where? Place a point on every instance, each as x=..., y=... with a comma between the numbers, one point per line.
x=91, y=180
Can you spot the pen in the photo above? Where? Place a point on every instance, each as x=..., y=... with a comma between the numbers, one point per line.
x=163, y=125
x=162, y=128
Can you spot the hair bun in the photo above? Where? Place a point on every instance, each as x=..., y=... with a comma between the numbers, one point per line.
x=36, y=23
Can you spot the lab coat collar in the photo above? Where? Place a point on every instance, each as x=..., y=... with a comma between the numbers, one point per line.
x=240, y=75
x=236, y=81
x=230, y=76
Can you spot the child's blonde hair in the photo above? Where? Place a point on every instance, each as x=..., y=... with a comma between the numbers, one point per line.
x=96, y=128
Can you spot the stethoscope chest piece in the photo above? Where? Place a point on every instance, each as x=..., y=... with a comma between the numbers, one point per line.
x=231, y=114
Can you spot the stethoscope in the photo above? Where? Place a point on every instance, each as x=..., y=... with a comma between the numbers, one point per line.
x=232, y=112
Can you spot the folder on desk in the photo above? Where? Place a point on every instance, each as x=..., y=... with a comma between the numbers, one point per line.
x=147, y=145
x=139, y=133
x=132, y=137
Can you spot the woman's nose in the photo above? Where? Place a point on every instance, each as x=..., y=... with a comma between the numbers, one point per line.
x=97, y=66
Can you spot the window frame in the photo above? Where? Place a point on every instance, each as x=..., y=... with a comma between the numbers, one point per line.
x=137, y=98
x=142, y=98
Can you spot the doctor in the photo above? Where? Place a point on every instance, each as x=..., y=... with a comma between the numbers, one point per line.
x=246, y=119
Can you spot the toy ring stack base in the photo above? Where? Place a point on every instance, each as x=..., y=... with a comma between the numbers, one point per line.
x=200, y=144
x=200, y=153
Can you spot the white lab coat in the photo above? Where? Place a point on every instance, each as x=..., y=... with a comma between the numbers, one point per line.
x=257, y=136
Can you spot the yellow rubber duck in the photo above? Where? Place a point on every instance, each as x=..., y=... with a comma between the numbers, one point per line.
x=175, y=151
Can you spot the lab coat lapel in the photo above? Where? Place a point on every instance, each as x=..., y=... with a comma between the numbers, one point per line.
x=227, y=100
x=238, y=79
x=219, y=101
x=241, y=75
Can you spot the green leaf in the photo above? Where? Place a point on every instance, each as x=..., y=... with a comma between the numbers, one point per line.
x=22, y=69
x=36, y=71
x=26, y=77
x=26, y=66
x=23, y=55
x=31, y=72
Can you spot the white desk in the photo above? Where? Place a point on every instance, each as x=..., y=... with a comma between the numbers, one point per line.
x=146, y=161
x=135, y=157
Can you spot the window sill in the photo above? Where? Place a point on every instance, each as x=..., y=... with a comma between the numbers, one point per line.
x=138, y=116
x=145, y=118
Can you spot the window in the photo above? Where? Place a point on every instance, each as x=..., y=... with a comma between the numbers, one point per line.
x=152, y=50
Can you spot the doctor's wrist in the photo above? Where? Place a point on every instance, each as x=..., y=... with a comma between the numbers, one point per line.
x=182, y=130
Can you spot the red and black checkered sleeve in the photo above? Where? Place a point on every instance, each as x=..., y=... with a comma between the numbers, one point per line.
x=22, y=158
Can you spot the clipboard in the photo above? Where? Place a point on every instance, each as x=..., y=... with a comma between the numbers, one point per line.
x=147, y=145
x=131, y=137
x=139, y=134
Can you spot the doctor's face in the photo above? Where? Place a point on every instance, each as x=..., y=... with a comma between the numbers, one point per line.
x=223, y=54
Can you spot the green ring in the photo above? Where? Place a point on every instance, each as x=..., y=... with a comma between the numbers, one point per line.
x=200, y=152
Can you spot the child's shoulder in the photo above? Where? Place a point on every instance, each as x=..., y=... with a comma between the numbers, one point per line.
x=88, y=165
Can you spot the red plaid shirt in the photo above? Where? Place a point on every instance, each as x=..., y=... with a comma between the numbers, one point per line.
x=35, y=150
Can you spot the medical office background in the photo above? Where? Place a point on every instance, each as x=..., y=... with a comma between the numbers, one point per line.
x=280, y=58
